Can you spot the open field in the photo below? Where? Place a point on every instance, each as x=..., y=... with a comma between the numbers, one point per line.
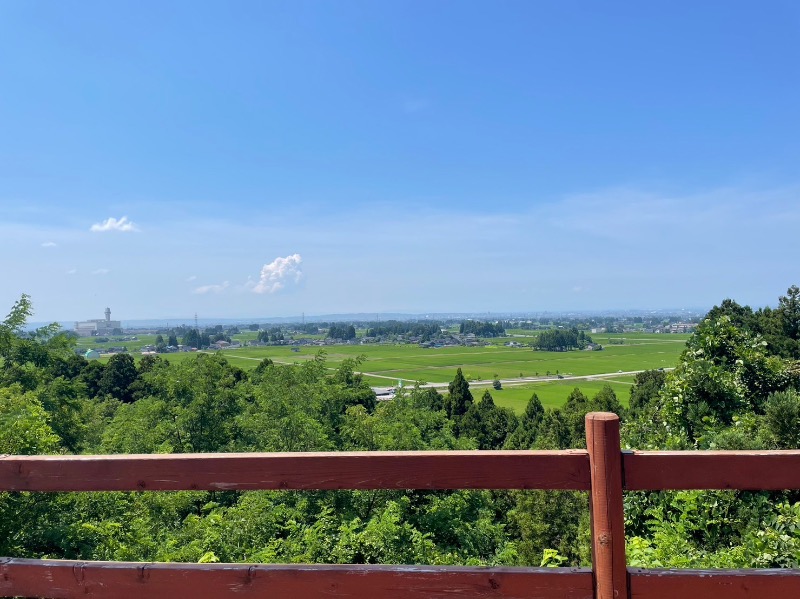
x=553, y=394
x=411, y=363
x=386, y=365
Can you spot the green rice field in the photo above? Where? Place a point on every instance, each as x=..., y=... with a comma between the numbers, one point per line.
x=553, y=394
x=410, y=363
x=387, y=365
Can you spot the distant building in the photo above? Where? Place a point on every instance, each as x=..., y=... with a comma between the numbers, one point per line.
x=97, y=327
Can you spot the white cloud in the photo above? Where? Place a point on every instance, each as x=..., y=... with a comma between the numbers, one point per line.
x=192, y=278
x=112, y=224
x=277, y=273
x=49, y=244
x=101, y=271
x=72, y=271
x=211, y=288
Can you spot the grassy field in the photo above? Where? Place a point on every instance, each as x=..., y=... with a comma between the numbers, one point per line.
x=385, y=365
x=411, y=363
x=553, y=394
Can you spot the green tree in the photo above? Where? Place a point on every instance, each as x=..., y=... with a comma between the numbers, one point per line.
x=487, y=423
x=65, y=403
x=646, y=388
x=91, y=376
x=262, y=371
x=345, y=389
x=605, y=401
x=400, y=424
x=24, y=356
x=782, y=419
x=192, y=338
x=342, y=332
x=789, y=317
x=459, y=398
x=69, y=367
x=724, y=372
x=24, y=424
x=741, y=317
x=194, y=409
x=552, y=520
x=527, y=430
x=118, y=376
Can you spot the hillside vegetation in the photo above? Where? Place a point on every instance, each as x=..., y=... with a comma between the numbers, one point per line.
x=735, y=387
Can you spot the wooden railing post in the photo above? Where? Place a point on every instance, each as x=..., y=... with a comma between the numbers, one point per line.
x=608, y=520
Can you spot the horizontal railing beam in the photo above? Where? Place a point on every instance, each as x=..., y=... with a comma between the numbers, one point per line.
x=433, y=470
x=679, y=470
x=122, y=580
x=713, y=584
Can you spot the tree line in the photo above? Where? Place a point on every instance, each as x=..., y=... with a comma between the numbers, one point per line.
x=425, y=330
x=561, y=340
x=481, y=329
x=343, y=332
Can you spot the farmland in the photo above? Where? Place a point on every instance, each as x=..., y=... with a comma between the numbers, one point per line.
x=387, y=365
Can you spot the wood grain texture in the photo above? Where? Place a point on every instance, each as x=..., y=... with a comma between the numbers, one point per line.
x=714, y=584
x=745, y=470
x=125, y=580
x=300, y=471
x=607, y=512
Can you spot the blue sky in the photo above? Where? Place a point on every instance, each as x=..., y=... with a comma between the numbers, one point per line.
x=256, y=159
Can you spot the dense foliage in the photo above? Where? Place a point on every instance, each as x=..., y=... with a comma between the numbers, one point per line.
x=481, y=329
x=271, y=335
x=342, y=332
x=735, y=386
x=562, y=340
x=424, y=330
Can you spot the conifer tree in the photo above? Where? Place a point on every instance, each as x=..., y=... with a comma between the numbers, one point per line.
x=458, y=401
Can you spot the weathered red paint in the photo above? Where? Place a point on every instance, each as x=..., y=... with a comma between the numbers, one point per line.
x=305, y=471
x=746, y=470
x=126, y=580
x=714, y=584
x=608, y=519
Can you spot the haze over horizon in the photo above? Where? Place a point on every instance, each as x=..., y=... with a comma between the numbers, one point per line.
x=267, y=158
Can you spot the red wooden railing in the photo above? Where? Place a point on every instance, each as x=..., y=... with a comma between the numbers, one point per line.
x=603, y=469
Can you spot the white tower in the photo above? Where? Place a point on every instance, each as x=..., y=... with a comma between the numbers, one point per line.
x=108, y=314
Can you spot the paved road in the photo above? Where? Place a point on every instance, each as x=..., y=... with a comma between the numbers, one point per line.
x=522, y=381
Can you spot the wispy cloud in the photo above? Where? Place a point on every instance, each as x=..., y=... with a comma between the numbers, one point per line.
x=211, y=288
x=631, y=216
x=72, y=271
x=277, y=273
x=49, y=244
x=192, y=278
x=112, y=224
x=101, y=271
